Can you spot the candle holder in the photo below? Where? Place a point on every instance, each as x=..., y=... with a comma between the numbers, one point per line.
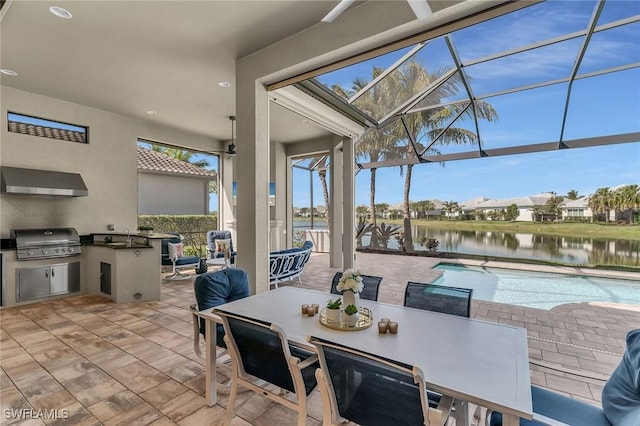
x=383, y=327
x=393, y=327
x=304, y=309
x=311, y=311
x=316, y=307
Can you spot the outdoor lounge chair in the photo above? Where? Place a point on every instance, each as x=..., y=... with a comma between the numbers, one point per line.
x=370, y=290
x=172, y=255
x=372, y=391
x=214, y=239
x=261, y=350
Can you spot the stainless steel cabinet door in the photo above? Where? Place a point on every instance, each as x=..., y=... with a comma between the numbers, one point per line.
x=65, y=277
x=32, y=283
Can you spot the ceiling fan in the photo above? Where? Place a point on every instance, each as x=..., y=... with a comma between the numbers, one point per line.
x=231, y=148
x=421, y=9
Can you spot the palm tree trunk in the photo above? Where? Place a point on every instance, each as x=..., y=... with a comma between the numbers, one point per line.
x=325, y=193
x=408, y=240
x=372, y=200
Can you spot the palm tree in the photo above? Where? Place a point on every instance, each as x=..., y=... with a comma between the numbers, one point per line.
x=362, y=211
x=429, y=206
x=627, y=198
x=427, y=125
x=373, y=145
x=321, y=162
x=450, y=207
x=180, y=154
x=572, y=194
x=600, y=202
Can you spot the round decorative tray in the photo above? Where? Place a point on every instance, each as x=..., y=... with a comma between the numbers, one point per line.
x=364, y=321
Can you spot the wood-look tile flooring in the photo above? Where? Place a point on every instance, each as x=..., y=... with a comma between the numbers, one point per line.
x=88, y=361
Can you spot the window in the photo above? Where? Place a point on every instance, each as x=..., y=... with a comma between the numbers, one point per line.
x=34, y=126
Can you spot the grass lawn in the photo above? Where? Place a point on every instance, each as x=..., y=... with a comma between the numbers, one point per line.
x=567, y=229
x=589, y=230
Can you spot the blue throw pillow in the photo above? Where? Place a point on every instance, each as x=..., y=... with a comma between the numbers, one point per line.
x=621, y=393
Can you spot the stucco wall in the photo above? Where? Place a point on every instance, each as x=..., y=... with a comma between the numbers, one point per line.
x=107, y=164
x=163, y=194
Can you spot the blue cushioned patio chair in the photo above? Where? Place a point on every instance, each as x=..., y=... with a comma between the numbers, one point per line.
x=620, y=398
x=178, y=263
x=373, y=391
x=370, y=290
x=286, y=265
x=211, y=290
x=260, y=349
x=215, y=289
x=212, y=236
x=554, y=409
x=437, y=298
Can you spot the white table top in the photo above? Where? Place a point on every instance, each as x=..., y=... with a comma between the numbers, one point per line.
x=472, y=360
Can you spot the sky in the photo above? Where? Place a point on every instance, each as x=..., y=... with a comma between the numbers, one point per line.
x=599, y=106
x=581, y=169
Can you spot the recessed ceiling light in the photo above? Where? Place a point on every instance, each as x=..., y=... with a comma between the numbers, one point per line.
x=60, y=12
x=152, y=112
x=224, y=83
x=7, y=71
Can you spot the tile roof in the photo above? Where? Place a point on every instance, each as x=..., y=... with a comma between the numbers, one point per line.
x=149, y=160
x=530, y=201
x=47, y=132
x=473, y=203
x=582, y=202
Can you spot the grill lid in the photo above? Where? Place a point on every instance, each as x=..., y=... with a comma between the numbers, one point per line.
x=45, y=237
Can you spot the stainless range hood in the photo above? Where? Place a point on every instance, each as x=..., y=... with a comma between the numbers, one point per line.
x=41, y=182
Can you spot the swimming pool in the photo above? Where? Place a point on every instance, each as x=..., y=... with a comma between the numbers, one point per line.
x=537, y=289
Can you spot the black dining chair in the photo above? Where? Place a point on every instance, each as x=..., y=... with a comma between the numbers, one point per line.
x=261, y=350
x=373, y=391
x=371, y=286
x=443, y=299
x=437, y=298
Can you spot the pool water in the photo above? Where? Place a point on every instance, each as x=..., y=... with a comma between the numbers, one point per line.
x=537, y=289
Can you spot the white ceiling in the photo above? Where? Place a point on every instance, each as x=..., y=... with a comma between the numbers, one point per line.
x=129, y=57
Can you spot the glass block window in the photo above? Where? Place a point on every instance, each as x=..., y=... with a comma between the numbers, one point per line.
x=34, y=126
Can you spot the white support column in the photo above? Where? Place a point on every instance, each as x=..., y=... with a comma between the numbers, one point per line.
x=348, y=204
x=227, y=219
x=289, y=201
x=335, y=212
x=252, y=210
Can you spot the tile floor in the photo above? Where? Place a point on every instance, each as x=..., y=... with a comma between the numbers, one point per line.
x=83, y=360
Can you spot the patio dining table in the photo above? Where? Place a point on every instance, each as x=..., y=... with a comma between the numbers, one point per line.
x=470, y=360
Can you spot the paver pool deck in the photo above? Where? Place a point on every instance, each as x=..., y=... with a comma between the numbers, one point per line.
x=114, y=364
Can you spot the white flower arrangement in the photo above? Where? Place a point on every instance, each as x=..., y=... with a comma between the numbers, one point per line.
x=351, y=280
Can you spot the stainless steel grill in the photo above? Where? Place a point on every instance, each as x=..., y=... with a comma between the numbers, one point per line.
x=46, y=243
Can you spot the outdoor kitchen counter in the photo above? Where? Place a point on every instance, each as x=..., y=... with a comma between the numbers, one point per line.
x=121, y=245
x=123, y=273
x=118, y=240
